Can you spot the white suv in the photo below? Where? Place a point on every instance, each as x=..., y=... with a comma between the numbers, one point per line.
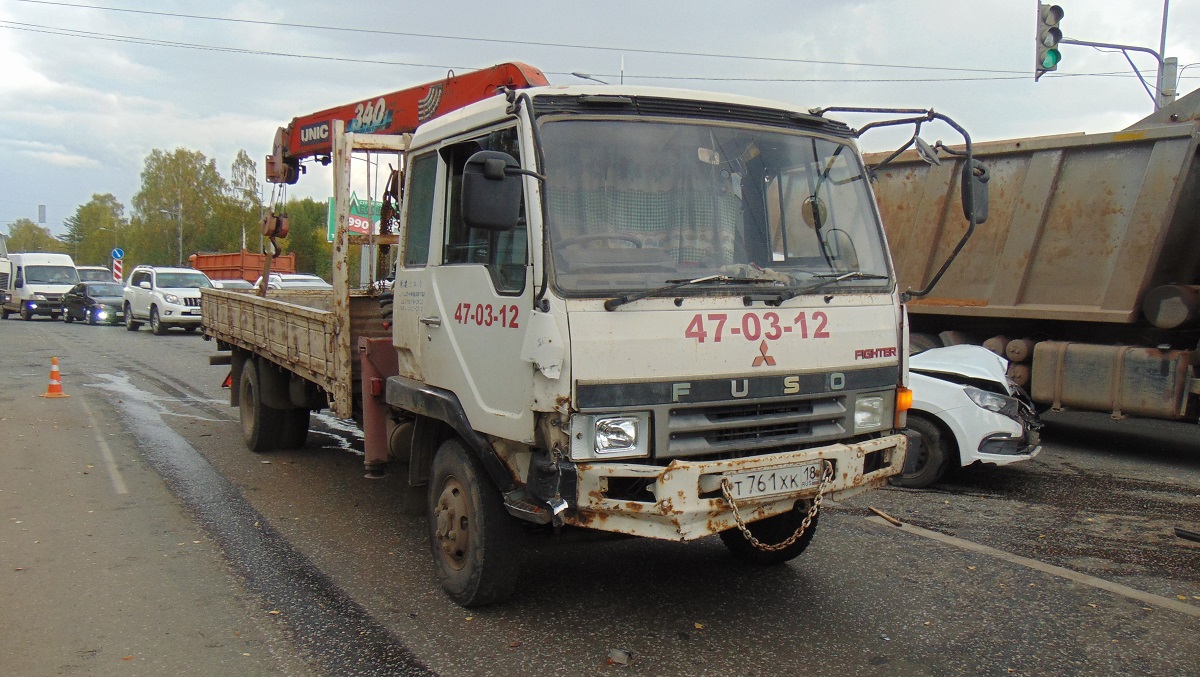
x=164, y=297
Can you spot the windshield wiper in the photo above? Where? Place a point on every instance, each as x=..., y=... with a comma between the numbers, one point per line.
x=834, y=278
x=829, y=278
x=613, y=304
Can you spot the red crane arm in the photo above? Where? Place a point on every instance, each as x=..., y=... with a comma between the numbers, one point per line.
x=396, y=113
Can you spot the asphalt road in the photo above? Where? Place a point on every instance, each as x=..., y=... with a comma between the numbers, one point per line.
x=219, y=561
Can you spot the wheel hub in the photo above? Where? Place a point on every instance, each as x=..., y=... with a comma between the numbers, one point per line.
x=452, y=530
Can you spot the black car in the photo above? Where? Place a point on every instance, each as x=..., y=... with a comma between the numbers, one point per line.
x=94, y=302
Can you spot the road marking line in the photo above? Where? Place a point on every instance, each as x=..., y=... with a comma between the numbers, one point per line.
x=110, y=463
x=1061, y=572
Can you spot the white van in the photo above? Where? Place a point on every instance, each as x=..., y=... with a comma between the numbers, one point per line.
x=37, y=284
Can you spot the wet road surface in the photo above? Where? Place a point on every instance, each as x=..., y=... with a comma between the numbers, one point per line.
x=358, y=590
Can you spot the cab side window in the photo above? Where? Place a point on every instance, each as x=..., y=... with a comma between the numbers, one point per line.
x=504, y=253
x=419, y=203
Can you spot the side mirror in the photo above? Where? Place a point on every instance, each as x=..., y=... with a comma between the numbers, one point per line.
x=491, y=191
x=926, y=152
x=976, y=176
x=19, y=283
x=144, y=284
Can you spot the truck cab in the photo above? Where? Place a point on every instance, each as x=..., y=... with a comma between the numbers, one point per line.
x=37, y=283
x=658, y=305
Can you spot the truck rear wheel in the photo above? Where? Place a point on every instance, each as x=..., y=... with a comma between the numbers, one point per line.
x=475, y=542
x=294, y=426
x=772, y=530
x=261, y=425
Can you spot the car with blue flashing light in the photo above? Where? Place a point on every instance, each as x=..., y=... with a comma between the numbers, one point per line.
x=94, y=303
x=965, y=411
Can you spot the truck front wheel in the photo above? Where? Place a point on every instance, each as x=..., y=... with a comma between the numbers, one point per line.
x=261, y=425
x=771, y=531
x=475, y=542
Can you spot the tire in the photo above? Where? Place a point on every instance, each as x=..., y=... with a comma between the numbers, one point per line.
x=157, y=327
x=933, y=454
x=26, y=315
x=130, y=323
x=772, y=530
x=66, y=316
x=475, y=543
x=191, y=328
x=294, y=428
x=3, y=314
x=261, y=425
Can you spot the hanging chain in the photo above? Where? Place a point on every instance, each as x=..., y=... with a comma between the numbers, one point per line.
x=727, y=492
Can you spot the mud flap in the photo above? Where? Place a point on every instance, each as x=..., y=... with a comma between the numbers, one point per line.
x=915, y=446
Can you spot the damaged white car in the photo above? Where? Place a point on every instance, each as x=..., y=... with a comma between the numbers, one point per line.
x=965, y=410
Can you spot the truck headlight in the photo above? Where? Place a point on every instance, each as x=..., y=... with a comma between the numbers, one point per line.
x=1001, y=404
x=606, y=436
x=616, y=435
x=170, y=298
x=869, y=411
x=39, y=297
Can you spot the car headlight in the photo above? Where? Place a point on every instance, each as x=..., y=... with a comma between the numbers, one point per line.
x=604, y=436
x=39, y=297
x=1001, y=404
x=869, y=413
x=170, y=298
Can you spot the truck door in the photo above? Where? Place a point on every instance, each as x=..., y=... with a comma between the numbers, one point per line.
x=477, y=299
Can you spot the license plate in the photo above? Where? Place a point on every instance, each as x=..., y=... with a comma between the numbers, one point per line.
x=776, y=481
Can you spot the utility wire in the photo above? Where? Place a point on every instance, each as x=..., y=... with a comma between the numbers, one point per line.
x=524, y=43
x=112, y=37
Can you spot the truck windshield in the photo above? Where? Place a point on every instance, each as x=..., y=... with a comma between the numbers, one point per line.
x=635, y=204
x=51, y=275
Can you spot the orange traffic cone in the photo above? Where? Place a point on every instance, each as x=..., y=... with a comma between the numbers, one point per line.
x=55, y=389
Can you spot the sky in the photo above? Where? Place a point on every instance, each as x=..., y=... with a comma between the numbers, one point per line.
x=89, y=87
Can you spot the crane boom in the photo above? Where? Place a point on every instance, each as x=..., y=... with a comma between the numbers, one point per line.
x=395, y=113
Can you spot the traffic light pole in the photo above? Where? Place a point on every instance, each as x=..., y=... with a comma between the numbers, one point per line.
x=1125, y=49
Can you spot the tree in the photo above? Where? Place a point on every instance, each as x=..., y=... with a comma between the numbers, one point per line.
x=180, y=194
x=307, y=226
x=26, y=236
x=94, y=229
x=243, y=188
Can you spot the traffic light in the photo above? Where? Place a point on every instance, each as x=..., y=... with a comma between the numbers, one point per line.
x=1048, y=35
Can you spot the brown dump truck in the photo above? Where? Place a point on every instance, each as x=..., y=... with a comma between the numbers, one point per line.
x=1086, y=275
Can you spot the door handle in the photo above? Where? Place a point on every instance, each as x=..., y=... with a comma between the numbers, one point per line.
x=431, y=321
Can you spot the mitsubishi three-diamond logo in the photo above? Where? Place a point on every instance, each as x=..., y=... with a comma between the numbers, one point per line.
x=763, y=357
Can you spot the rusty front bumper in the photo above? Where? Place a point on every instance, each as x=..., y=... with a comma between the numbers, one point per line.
x=683, y=510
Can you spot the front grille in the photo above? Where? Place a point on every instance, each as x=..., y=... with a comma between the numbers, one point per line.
x=191, y=303
x=734, y=430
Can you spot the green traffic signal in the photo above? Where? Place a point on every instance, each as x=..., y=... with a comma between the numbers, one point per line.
x=1050, y=58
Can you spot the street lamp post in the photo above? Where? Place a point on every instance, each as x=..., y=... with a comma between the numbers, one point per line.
x=178, y=214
